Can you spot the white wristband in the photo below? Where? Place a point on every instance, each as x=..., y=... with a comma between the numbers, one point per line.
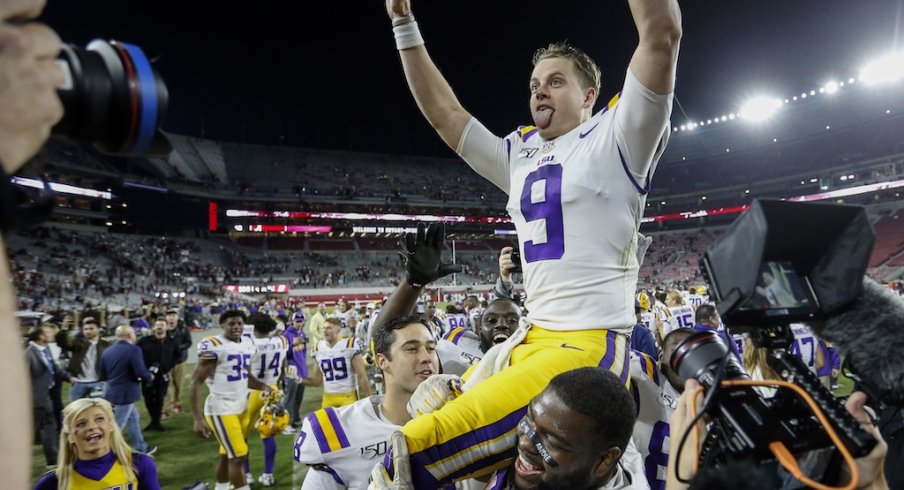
x=407, y=36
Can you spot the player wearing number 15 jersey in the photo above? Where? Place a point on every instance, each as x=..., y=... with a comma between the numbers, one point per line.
x=224, y=365
x=338, y=363
x=577, y=185
x=681, y=314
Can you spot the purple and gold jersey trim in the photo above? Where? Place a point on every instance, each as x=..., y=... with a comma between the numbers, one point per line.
x=455, y=334
x=649, y=366
x=525, y=132
x=328, y=431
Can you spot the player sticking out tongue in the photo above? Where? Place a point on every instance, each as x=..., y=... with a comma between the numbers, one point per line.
x=543, y=116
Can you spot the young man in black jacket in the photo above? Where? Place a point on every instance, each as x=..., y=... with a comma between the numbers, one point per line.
x=160, y=354
x=177, y=330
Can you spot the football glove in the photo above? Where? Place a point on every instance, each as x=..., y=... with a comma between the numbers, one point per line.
x=401, y=478
x=422, y=255
x=433, y=393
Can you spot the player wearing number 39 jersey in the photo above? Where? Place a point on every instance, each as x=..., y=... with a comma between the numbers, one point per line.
x=338, y=364
x=224, y=365
x=577, y=185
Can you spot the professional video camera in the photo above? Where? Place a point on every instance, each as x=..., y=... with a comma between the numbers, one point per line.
x=780, y=262
x=113, y=98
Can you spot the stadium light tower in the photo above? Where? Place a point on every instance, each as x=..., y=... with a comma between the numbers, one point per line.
x=760, y=108
x=886, y=69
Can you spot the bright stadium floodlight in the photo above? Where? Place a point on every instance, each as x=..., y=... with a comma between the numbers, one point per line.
x=886, y=69
x=760, y=108
x=831, y=87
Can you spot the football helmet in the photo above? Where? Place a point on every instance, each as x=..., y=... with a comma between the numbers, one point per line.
x=273, y=420
x=643, y=301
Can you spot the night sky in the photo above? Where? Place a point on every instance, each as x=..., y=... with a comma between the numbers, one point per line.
x=325, y=74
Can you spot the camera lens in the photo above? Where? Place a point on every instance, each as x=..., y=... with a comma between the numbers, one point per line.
x=113, y=98
x=700, y=356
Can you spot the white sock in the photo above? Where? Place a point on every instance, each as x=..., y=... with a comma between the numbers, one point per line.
x=221, y=486
x=243, y=487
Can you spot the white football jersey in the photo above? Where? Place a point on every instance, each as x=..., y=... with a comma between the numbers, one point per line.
x=679, y=317
x=577, y=205
x=656, y=400
x=458, y=350
x=648, y=319
x=457, y=320
x=695, y=300
x=336, y=364
x=344, y=443
x=805, y=345
x=267, y=363
x=228, y=385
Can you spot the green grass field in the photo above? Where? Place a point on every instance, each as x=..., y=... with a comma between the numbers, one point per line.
x=183, y=459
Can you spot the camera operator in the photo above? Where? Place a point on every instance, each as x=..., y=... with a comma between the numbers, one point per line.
x=872, y=475
x=28, y=77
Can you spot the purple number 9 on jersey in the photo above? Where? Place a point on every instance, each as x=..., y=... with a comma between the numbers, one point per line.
x=549, y=209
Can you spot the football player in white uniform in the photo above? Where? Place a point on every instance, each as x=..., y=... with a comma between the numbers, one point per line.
x=577, y=185
x=336, y=360
x=681, y=315
x=268, y=365
x=806, y=347
x=224, y=363
x=342, y=445
x=656, y=388
x=461, y=348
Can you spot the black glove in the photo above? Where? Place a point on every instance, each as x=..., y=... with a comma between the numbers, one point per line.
x=422, y=254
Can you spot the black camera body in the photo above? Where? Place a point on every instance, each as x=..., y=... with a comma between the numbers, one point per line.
x=516, y=259
x=764, y=273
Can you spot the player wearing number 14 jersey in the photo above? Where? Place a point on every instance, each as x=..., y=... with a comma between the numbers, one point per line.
x=267, y=365
x=224, y=365
x=338, y=363
x=577, y=185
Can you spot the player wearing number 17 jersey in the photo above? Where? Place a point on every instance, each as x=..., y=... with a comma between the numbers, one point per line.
x=577, y=185
x=338, y=363
x=224, y=365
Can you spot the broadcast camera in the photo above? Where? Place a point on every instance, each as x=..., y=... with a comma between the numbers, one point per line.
x=113, y=98
x=779, y=263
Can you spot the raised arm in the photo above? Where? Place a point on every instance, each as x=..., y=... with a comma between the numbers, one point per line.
x=659, y=27
x=361, y=374
x=431, y=91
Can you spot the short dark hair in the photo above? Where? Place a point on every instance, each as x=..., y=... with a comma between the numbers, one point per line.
x=384, y=334
x=35, y=332
x=601, y=396
x=282, y=318
x=705, y=312
x=232, y=314
x=262, y=323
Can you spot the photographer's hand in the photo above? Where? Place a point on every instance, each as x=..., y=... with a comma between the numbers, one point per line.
x=29, y=76
x=681, y=419
x=871, y=466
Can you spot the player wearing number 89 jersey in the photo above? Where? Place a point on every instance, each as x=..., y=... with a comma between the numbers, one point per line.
x=338, y=364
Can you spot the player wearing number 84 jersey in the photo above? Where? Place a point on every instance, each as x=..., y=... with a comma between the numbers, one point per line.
x=656, y=388
x=338, y=363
